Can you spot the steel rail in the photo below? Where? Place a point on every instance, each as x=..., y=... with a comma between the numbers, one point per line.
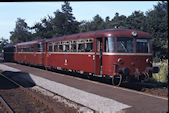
x=36, y=97
x=5, y=106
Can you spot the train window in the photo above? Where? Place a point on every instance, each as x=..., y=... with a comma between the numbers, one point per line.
x=60, y=48
x=106, y=45
x=21, y=49
x=50, y=47
x=27, y=49
x=98, y=44
x=39, y=48
x=56, y=47
x=109, y=44
x=73, y=46
x=81, y=47
x=125, y=44
x=31, y=49
x=143, y=45
x=66, y=48
x=89, y=45
x=24, y=49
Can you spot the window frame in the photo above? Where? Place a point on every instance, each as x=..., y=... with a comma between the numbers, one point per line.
x=106, y=45
x=117, y=47
x=50, y=44
x=149, y=44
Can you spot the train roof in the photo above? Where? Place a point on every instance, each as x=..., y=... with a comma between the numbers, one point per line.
x=113, y=32
x=30, y=42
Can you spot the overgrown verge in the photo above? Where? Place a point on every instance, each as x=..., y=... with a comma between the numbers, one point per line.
x=162, y=75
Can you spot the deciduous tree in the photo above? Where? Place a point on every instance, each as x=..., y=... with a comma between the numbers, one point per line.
x=21, y=32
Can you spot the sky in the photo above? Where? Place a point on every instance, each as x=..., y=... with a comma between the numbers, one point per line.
x=33, y=12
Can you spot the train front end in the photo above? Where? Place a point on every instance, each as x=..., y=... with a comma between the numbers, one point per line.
x=128, y=56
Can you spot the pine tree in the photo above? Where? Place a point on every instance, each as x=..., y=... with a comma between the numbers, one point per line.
x=70, y=25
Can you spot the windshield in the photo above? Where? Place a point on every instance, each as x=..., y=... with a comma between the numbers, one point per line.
x=124, y=44
x=109, y=44
x=143, y=45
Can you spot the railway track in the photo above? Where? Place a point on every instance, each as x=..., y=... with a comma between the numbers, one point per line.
x=4, y=106
x=19, y=99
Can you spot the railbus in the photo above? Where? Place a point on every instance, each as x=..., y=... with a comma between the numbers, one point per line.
x=120, y=54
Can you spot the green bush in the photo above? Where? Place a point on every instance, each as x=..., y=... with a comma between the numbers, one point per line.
x=162, y=75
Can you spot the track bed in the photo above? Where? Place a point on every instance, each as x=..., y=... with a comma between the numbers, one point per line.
x=18, y=100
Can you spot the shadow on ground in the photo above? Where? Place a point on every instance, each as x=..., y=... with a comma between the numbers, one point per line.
x=21, y=78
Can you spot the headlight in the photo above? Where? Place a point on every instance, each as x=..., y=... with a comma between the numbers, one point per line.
x=120, y=60
x=148, y=60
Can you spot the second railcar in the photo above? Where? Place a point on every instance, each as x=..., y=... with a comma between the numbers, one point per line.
x=30, y=53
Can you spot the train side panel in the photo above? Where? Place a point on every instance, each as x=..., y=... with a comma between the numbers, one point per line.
x=80, y=62
x=29, y=58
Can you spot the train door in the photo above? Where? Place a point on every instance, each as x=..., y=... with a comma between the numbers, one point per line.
x=98, y=56
x=45, y=54
x=42, y=50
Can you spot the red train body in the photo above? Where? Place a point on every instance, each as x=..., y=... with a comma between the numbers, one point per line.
x=118, y=53
x=29, y=53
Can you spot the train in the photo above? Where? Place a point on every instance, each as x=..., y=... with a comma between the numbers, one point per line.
x=119, y=54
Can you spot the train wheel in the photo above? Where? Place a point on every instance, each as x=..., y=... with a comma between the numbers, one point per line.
x=116, y=80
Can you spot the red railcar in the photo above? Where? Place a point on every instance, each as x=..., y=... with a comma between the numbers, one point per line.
x=30, y=53
x=121, y=54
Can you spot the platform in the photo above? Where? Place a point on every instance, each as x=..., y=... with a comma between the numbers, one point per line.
x=98, y=96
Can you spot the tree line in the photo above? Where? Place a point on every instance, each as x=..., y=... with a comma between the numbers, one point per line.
x=154, y=21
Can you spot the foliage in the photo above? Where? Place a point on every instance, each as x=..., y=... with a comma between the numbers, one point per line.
x=3, y=42
x=42, y=29
x=21, y=32
x=156, y=60
x=63, y=23
x=96, y=24
x=118, y=21
x=137, y=21
x=70, y=25
x=157, y=26
x=162, y=75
